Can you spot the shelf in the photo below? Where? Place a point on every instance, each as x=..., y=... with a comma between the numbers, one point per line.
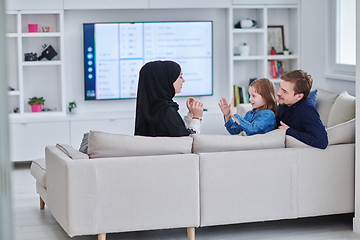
x=257, y=64
x=12, y=35
x=282, y=57
x=13, y=93
x=41, y=34
x=28, y=117
x=247, y=58
x=248, y=30
x=42, y=63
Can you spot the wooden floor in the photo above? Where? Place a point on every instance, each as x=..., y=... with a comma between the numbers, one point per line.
x=31, y=223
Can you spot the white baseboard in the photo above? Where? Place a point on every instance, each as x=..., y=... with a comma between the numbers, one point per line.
x=356, y=225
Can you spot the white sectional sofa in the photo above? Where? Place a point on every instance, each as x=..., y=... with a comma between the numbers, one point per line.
x=132, y=183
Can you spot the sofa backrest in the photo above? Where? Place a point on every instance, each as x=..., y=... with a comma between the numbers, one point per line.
x=225, y=143
x=106, y=145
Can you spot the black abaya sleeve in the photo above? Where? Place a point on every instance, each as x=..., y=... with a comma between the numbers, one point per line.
x=172, y=124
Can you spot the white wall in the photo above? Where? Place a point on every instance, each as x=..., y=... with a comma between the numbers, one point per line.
x=74, y=57
x=314, y=43
x=74, y=51
x=313, y=40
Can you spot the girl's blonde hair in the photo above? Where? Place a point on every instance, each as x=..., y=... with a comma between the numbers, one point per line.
x=265, y=88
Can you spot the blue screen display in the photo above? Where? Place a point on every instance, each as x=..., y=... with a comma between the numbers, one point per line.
x=115, y=52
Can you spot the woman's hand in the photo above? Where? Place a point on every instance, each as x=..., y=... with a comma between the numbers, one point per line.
x=196, y=108
x=189, y=102
x=227, y=109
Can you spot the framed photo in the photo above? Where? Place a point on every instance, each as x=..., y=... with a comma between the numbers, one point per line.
x=276, y=38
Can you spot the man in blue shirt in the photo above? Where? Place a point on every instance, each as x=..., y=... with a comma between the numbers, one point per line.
x=297, y=113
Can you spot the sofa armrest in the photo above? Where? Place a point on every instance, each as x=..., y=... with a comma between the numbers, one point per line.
x=71, y=191
x=342, y=133
x=102, y=195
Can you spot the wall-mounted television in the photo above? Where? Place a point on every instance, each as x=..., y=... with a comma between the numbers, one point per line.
x=115, y=52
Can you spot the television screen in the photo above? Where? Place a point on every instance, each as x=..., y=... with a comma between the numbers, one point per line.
x=115, y=52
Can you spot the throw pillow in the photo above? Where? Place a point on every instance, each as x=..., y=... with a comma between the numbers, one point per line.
x=106, y=145
x=324, y=102
x=342, y=133
x=71, y=152
x=84, y=143
x=222, y=143
x=342, y=110
x=313, y=95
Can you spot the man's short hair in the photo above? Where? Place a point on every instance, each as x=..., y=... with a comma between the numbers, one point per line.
x=303, y=81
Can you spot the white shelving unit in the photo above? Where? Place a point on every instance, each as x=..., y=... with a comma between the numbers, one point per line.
x=43, y=78
x=256, y=65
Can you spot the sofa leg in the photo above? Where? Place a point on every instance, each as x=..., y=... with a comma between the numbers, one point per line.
x=42, y=204
x=102, y=236
x=191, y=233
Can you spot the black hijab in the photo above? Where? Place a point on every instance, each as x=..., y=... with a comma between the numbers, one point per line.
x=155, y=94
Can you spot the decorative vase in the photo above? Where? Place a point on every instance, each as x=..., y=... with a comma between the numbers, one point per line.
x=36, y=108
x=273, y=52
x=244, y=50
x=286, y=52
x=73, y=111
x=33, y=28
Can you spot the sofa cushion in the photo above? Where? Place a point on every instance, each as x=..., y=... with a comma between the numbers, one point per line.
x=222, y=143
x=38, y=170
x=242, y=109
x=105, y=145
x=71, y=152
x=342, y=133
x=342, y=110
x=324, y=102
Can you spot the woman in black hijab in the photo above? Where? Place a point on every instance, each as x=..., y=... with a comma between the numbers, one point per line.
x=156, y=112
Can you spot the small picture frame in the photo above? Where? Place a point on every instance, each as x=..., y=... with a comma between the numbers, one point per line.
x=276, y=38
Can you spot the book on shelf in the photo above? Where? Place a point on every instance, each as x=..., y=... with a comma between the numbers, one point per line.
x=240, y=95
x=276, y=68
x=280, y=68
x=236, y=95
x=273, y=69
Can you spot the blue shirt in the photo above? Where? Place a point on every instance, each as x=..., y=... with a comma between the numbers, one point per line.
x=254, y=122
x=304, y=122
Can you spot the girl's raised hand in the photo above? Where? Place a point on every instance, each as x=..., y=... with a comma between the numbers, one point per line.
x=225, y=108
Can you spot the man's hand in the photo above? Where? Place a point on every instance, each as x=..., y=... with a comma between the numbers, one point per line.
x=283, y=126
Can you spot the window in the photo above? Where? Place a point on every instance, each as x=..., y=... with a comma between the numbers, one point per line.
x=345, y=36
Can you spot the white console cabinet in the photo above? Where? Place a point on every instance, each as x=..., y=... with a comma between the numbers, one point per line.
x=28, y=139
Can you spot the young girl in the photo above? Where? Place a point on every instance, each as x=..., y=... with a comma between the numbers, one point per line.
x=261, y=119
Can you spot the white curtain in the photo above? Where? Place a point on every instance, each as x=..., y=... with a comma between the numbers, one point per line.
x=6, y=229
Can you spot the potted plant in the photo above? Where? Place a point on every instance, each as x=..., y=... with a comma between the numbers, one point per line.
x=72, y=107
x=286, y=51
x=272, y=51
x=36, y=103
